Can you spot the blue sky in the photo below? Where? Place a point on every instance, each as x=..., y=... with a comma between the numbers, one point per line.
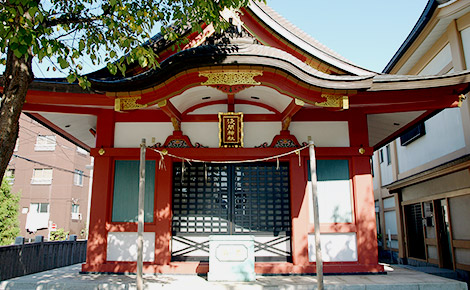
x=367, y=32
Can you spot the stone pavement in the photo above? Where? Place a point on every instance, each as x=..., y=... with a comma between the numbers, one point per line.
x=70, y=279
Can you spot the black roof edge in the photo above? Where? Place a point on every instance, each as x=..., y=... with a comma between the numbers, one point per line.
x=417, y=29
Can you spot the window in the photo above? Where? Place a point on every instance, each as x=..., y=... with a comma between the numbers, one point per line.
x=412, y=134
x=381, y=155
x=389, y=154
x=42, y=176
x=45, y=143
x=76, y=215
x=39, y=208
x=78, y=178
x=126, y=190
x=10, y=175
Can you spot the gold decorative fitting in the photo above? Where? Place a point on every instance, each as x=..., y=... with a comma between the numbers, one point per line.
x=299, y=102
x=127, y=103
x=231, y=78
x=362, y=150
x=462, y=98
x=334, y=101
x=101, y=151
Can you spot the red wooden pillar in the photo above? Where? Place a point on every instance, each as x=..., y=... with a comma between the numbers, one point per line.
x=366, y=230
x=363, y=189
x=102, y=180
x=163, y=213
x=299, y=212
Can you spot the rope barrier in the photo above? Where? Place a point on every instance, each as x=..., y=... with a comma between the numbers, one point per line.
x=189, y=160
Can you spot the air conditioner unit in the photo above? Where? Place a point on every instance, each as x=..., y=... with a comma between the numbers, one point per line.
x=76, y=216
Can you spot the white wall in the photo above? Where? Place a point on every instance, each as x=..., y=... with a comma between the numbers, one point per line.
x=443, y=58
x=324, y=134
x=386, y=170
x=466, y=45
x=337, y=247
x=122, y=246
x=444, y=135
x=130, y=134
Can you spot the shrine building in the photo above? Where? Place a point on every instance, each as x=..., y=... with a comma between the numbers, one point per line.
x=256, y=91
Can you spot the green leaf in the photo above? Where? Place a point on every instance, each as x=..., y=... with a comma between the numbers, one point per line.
x=71, y=78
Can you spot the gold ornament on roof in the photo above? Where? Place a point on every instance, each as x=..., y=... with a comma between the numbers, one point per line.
x=334, y=101
x=127, y=103
x=231, y=78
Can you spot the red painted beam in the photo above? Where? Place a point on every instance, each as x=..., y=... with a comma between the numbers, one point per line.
x=170, y=110
x=60, y=109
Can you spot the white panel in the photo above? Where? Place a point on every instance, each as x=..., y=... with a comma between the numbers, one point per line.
x=383, y=125
x=256, y=133
x=334, y=201
x=266, y=96
x=443, y=58
x=389, y=202
x=386, y=170
x=324, y=134
x=208, y=110
x=391, y=222
x=466, y=45
x=250, y=109
x=122, y=246
x=77, y=125
x=444, y=135
x=341, y=247
x=205, y=133
x=130, y=134
x=393, y=244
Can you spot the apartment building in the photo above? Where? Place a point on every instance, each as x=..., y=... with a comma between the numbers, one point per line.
x=52, y=175
x=422, y=178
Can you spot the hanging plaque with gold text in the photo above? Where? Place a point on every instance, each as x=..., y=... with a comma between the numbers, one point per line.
x=230, y=130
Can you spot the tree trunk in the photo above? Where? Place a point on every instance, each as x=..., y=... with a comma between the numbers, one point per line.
x=17, y=77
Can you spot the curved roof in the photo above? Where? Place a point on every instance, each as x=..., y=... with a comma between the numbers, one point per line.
x=302, y=40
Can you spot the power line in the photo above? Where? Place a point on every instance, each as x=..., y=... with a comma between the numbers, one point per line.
x=50, y=166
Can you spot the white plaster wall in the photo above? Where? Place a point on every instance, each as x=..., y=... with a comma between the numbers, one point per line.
x=334, y=201
x=391, y=222
x=386, y=171
x=324, y=134
x=205, y=133
x=443, y=58
x=250, y=109
x=341, y=247
x=130, y=134
x=466, y=45
x=122, y=246
x=256, y=133
x=444, y=135
x=375, y=164
x=208, y=110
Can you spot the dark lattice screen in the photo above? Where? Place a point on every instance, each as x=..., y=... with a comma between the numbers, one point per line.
x=261, y=199
x=200, y=199
x=231, y=199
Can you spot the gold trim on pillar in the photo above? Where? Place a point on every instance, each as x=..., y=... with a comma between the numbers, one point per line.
x=334, y=101
x=127, y=103
x=230, y=78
